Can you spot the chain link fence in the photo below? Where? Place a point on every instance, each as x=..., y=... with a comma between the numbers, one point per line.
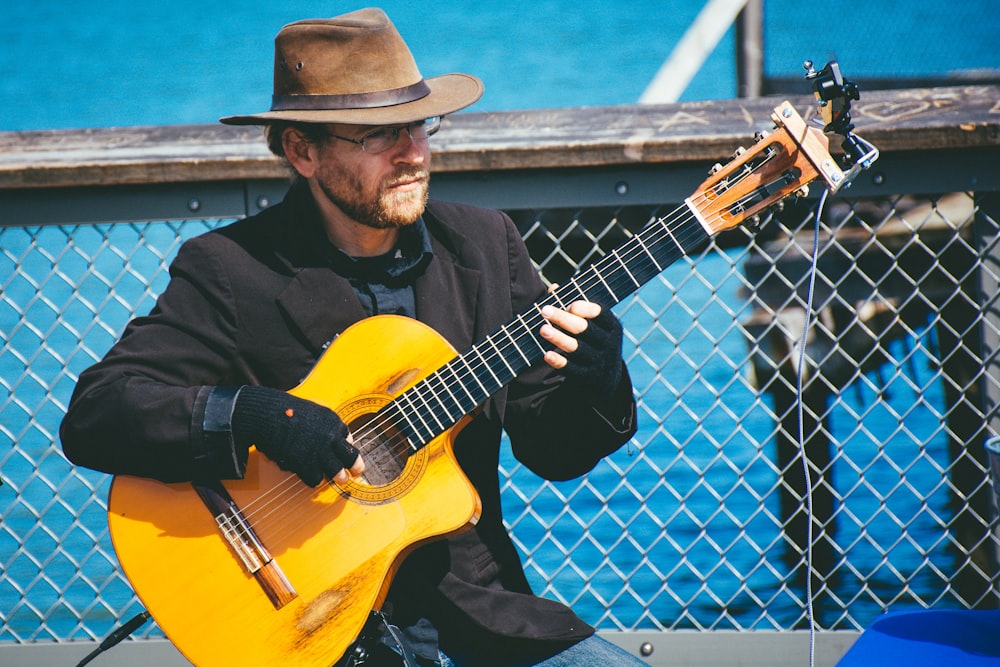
x=707, y=519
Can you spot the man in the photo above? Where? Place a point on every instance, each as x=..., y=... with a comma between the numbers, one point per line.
x=250, y=308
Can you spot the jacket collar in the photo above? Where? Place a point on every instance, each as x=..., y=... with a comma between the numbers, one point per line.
x=321, y=303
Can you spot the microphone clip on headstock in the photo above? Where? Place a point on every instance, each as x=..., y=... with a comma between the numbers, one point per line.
x=834, y=96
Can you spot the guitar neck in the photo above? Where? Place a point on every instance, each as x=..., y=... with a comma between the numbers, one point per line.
x=781, y=163
x=438, y=402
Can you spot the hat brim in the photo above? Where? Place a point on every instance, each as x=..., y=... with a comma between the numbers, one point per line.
x=449, y=93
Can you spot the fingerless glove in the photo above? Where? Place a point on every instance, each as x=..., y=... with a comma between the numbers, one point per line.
x=300, y=436
x=596, y=365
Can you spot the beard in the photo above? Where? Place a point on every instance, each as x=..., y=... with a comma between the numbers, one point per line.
x=384, y=209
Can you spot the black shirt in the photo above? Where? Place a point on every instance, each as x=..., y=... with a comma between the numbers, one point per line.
x=384, y=284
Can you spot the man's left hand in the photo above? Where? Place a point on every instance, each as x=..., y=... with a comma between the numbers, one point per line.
x=588, y=344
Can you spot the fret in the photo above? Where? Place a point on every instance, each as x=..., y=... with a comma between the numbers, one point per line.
x=517, y=347
x=462, y=408
x=614, y=253
x=477, y=351
x=431, y=388
x=670, y=234
x=407, y=398
x=498, y=369
x=541, y=321
x=558, y=299
x=465, y=362
x=529, y=330
x=500, y=354
x=453, y=367
x=607, y=287
x=638, y=240
x=433, y=403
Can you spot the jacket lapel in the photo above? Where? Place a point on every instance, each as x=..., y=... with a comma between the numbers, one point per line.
x=446, y=295
x=317, y=301
x=320, y=304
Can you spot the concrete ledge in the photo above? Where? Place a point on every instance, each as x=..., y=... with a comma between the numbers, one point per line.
x=762, y=648
x=680, y=648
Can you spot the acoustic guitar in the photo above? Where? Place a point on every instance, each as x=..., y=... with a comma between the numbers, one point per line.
x=269, y=571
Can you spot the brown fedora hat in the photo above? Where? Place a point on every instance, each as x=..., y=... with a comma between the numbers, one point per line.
x=355, y=69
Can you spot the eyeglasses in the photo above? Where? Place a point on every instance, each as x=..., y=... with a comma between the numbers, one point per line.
x=384, y=138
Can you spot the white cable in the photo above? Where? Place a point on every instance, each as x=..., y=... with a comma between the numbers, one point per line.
x=802, y=444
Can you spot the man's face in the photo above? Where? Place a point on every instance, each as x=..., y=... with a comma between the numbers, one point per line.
x=384, y=190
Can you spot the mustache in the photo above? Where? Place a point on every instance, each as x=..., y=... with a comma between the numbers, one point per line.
x=406, y=174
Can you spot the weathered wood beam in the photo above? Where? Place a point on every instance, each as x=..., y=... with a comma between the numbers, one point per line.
x=900, y=120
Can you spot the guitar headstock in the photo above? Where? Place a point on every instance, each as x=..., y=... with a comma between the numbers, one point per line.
x=787, y=160
x=779, y=164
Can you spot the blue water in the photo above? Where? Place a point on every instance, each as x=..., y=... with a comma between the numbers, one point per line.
x=118, y=63
x=68, y=64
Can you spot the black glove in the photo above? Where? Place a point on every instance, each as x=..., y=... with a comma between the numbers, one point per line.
x=596, y=364
x=300, y=436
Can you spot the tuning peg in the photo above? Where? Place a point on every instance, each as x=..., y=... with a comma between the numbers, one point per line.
x=760, y=136
x=716, y=168
x=738, y=152
x=802, y=192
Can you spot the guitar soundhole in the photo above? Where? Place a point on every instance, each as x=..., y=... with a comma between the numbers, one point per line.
x=385, y=450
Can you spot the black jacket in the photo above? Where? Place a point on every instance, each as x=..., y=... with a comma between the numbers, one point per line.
x=256, y=302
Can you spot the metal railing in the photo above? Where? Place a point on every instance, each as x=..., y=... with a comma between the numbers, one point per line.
x=701, y=521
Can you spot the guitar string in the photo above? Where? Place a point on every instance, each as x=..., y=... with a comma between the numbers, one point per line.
x=536, y=319
x=289, y=490
x=273, y=499
x=637, y=249
x=666, y=226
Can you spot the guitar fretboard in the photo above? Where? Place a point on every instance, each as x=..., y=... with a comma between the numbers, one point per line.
x=440, y=400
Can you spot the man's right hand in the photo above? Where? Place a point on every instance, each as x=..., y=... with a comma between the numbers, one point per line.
x=300, y=436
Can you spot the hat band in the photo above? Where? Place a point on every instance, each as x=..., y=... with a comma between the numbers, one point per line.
x=379, y=98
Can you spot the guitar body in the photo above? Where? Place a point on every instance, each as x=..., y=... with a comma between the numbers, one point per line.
x=334, y=548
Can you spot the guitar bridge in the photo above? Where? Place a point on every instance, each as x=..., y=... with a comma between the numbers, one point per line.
x=245, y=544
x=241, y=538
